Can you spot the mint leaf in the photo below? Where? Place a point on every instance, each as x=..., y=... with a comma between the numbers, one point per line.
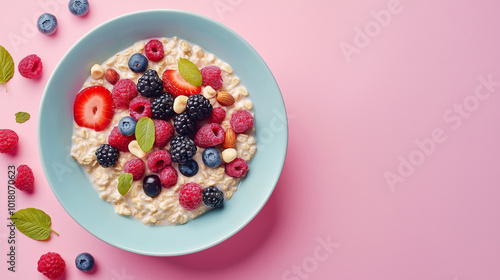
x=124, y=183
x=33, y=222
x=6, y=66
x=145, y=133
x=22, y=117
x=190, y=72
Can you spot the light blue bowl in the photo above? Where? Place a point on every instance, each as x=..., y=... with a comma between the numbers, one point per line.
x=73, y=189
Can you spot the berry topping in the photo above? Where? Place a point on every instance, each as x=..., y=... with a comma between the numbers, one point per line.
x=126, y=126
x=218, y=115
x=123, y=92
x=84, y=262
x=162, y=106
x=30, y=67
x=107, y=155
x=78, y=7
x=182, y=149
x=213, y=197
x=154, y=50
x=138, y=63
x=198, y=107
x=158, y=160
x=24, y=179
x=189, y=169
x=93, y=108
x=136, y=167
x=241, y=120
x=140, y=107
x=8, y=140
x=236, y=168
x=118, y=140
x=47, y=24
x=211, y=157
x=150, y=84
x=168, y=177
x=163, y=133
x=211, y=77
x=209, y=135
x=51, y=265
x=176, y=85
x=183, y=124
x=190, y=196
x=151, y=185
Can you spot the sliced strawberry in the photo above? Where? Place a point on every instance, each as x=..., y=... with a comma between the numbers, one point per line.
x=175, y=84
x=93, y=108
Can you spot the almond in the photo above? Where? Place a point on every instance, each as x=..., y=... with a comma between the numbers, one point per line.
x=229, y=139
x=225, y=99
x=111, y=76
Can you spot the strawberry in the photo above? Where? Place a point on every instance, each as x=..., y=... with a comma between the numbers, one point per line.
x=93, y=108
x=176, y=85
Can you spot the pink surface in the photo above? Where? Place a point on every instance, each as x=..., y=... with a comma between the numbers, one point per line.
x=402, y=99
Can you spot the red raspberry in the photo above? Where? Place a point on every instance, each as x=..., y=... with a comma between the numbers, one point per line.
x=8, y=140
x=168, y=177
x=163, y=132
x=211, y=77
x=118, y=140
x=209, y=135
x=154, y=50
x=237, y=168
x=51, y=265
x=123, y=92
x=136, y=167
x=24, y=179
x=30, y=67
x=218, y=115
x=241, y=120
x=190, y=196
x=158, y=160
x=140, y=107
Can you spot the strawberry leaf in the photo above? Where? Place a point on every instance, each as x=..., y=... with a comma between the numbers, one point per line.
x=6, y=66
x=33, y=222
x=190, y=72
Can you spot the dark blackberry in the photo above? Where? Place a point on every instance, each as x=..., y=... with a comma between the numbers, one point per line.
x=183, y=124
x=213, y=197
x=182, y=149
x=107, y=155
x=162, y=106
x=198, y=107
x=150, y=84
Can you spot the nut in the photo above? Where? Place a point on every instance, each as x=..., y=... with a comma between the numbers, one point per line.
x=225, y=99
x=180, y=103
x=209, y=92
x=96, y=71
x=135, y=149
x=229, y=155
x=229, y=139
x=112, y=76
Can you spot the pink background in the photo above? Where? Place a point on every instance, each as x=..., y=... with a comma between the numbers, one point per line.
x=353, y=118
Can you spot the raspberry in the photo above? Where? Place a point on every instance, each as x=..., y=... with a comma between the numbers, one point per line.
x=190, y=196
x=211, y=77
x=218, y=115
x=8, y=140
x=136, y=167
x=30, y=67
x=241, y=121
x=51, y=265
x=158, y=160
x=168, y=177
x=209, y=135
x=118, y=140
x=154, y=50
x=140, y=107
x=236, y=168
x=123, y=92
x=163, y=132
x=24, y=179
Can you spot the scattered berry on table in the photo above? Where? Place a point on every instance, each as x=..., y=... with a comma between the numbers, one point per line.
x=47, y=24
x=123, y=92
x=176, y=85
x=211, y=157
x=151, y=185
x=93, y=108
x=218, y=115
x=213, y=197
x=150, y=84
x=127, y=125
x=107, y=155
x=118, y=140
x=241, y=120
x=136, y=167
x=154, y=50
x=168, y=177
x=189, y=169
x=8, y=140
x=140, y=107
x=24, y=178
x=162, y=106
x=198, y=107
x=211, y=76
x=183, y=124
x=138, y=63
x=30, y=67
x=163, y=133
x=51, y=265
x=236, y=168
x=158, y=160
x=182, y=149
x=209, y=135
x=84, y=262
x=190, y=196
x=78, y=7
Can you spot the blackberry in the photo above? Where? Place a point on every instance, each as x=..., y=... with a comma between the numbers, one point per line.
x=183, y=124
x=107, y=155
x=182, y=149
x=150, y=84
x=213, y=197
x=162, y=106
x=198, y=107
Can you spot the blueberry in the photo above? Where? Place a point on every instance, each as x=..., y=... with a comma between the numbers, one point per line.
x=151, y=185
x=78, y=7
x=189, y=169
x=211, y=157
x=84, y=262
x=138, y=63
x=47, y=24
x=126, y=126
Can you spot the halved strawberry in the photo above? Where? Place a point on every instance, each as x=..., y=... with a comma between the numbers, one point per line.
x=93, y=108
x=175, y=84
